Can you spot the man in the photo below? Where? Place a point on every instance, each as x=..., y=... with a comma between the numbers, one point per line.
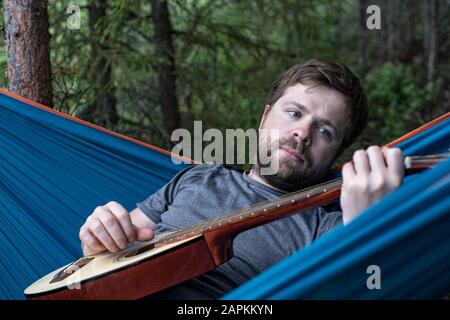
x=319, y=108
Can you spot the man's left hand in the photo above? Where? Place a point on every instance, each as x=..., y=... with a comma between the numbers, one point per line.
x=372, y=174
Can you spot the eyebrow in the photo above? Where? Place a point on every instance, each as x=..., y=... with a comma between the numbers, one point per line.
x=319, y=120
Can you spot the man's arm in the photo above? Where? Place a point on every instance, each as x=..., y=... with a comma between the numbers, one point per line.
x=111, y=228
x=373, y=174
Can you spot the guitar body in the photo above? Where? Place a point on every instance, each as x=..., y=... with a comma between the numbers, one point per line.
x=133, y=273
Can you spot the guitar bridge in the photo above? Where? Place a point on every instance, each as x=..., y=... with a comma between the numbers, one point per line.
x=70, y=269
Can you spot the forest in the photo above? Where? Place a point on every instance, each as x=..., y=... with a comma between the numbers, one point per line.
x=145, y=68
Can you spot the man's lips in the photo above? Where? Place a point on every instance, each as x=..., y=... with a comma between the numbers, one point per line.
x=291, y=154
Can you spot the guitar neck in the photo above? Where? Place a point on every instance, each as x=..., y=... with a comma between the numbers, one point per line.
x=313, y=197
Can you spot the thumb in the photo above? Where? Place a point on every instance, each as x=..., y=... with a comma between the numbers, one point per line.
x=143, y=234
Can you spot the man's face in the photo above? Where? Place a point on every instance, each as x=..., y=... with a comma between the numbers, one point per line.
x=311, y=122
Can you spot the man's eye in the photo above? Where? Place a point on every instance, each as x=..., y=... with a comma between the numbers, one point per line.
x=295, y=114
x=325, y=132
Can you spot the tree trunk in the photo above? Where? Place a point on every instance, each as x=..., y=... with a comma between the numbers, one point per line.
x=166, y=64
x=431, y=39
x=411, y=45
x=28, y=49
x=363, y=38
x=104, y=109
x=391, y=29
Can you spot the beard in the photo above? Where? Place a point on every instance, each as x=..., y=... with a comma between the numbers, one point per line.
x=292, y=174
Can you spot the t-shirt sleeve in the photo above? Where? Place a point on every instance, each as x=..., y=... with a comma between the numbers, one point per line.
x=328, y=221
x=158, y=203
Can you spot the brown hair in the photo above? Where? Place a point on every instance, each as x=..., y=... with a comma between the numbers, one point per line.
x=333, y=75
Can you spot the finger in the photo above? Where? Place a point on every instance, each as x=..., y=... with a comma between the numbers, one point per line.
x=144, y=234
x=124, y=219
x=348, y=172
x=82, y=231
x=95, y=246
x=361, y=162
x=394, y=159
x=98, y=230
x=85, y=226
x=111, y=225
x=376, y=159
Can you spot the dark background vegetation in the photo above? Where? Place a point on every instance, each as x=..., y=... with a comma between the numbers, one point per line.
x=144, y=68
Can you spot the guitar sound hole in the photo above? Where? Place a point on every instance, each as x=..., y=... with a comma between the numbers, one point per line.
x=139, y=251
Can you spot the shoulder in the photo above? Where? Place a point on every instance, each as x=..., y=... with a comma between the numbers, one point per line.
x=209, y=170
x=206, y=175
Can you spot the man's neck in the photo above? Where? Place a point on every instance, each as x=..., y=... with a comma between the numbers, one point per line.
x=253, y=175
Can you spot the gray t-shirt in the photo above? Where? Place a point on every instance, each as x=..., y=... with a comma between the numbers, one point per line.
x=209, y=190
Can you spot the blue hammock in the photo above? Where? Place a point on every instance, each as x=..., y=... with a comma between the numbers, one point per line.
x=53, y=173
x=55, y=170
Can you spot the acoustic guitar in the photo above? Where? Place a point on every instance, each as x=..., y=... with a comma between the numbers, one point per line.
x=170, y=258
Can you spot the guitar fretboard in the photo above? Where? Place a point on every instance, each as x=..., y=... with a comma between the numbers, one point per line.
x=263, y=208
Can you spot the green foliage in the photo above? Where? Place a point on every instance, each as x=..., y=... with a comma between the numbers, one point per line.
x=70, y=58
x=397, y=101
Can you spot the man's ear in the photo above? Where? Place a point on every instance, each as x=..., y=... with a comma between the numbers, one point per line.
x=264, y=116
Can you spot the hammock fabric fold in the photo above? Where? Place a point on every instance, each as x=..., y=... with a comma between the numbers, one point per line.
x=55, y=169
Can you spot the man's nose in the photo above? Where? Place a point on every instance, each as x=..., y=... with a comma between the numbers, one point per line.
x=302, y=135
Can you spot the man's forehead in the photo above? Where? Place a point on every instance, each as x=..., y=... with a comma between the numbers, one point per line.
x=316, y=94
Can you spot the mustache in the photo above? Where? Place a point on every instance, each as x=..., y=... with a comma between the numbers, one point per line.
x=299, y=148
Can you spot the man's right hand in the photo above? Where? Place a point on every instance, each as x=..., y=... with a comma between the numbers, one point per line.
x=110, y=228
